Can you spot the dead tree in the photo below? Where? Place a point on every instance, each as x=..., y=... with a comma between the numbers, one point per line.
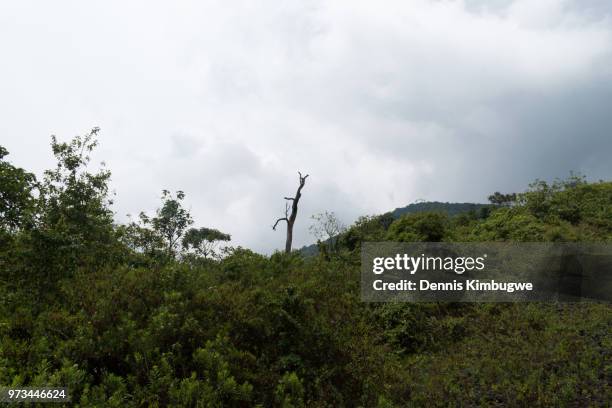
x=290, y=218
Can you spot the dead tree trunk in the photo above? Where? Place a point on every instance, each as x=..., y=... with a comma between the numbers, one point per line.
x=289, y=218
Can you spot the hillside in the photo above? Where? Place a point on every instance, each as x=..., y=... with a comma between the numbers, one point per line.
x=451, y=209
x=123, y=316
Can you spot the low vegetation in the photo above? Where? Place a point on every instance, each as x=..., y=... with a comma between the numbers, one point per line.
x=153, y=314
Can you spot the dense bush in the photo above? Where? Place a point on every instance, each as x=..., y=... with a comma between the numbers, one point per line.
x=122, y=317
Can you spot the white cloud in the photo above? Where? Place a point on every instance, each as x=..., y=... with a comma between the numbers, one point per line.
x=381, y=104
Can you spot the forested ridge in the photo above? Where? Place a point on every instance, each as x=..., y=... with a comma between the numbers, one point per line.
x=153, y=313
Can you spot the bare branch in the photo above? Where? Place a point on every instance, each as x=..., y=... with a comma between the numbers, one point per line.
x=279, y=220
x=289, y=198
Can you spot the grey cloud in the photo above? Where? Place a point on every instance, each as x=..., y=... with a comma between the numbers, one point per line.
x=381, y=104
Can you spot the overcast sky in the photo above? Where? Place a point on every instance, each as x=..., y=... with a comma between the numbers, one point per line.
x=382, y=103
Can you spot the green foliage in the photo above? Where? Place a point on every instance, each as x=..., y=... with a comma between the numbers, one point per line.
x=74, y=203
x=16, y=199
x=426, y=227
x=567, y=210
x=123, y=318
x=560, y=199
x=171, y=220
x=498, y=198
x=520, y=355
x=72, y=224
x=367, y=228
x=411, y=328
x=290, y=391
x=202, y=241
x=141, y=239
x=157, y=239
x=510, y=224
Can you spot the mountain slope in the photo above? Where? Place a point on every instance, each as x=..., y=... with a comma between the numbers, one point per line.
x=451, y=209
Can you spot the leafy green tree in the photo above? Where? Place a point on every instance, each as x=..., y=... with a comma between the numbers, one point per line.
x=171, y=220
x=16, y=195
x=543, y=199
x=203, y=241
x=510, y=224
x=72, y=198
x=142, y=239
x=417, y=227
x=498, y=198
x=74, y=221
x=17, y=219
x=158, y=237
x=366, y=228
